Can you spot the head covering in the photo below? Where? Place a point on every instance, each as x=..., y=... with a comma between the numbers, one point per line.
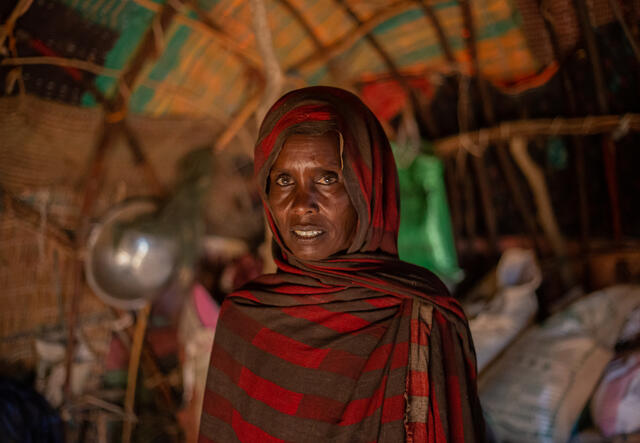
x=365, y=154
x=357, y=347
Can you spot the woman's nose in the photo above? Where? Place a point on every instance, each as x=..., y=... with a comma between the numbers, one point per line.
x=304, y=201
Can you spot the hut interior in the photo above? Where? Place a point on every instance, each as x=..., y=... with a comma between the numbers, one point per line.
x=131, y=124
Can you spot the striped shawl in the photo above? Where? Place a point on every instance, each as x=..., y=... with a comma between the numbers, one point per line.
x=359, y=347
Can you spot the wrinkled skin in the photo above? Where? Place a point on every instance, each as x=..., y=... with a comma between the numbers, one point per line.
x=308, y=199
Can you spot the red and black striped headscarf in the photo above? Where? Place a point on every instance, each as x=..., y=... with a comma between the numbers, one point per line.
x=359, y=347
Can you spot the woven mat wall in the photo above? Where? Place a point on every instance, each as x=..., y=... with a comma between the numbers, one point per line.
x=44, y=152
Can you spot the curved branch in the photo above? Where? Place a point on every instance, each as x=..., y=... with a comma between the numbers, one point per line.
x=346, y=41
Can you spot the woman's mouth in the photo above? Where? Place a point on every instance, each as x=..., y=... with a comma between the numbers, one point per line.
x=308, y=233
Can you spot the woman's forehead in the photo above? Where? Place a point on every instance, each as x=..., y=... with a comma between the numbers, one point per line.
x=309, y=150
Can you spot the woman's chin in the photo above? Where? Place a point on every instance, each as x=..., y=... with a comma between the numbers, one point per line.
x=308, y=250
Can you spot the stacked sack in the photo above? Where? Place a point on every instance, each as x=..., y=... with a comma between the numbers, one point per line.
x=536, y=391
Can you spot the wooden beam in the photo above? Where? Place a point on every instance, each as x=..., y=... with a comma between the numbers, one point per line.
x=424, y=117
x=608, y=146
x=273, y=76
x=617, y=11
x=238, y=120
x=304, y=23
x=343, y=43
x=594, y=55
x=146, y=50
x=535, y=176
x=246, y=56
x=537, y=127
x=115, y=111
x=95, y=174
x=63, y=63
x=430, y=14
x=132, y=371
x=481, y=173
x=30, y=215
x=577, y=143
x=299, y=17
x=205, y=24
x=141, y=160
x=6, y=30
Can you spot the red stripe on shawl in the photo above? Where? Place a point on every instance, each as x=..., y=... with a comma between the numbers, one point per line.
x=297, y=290
x=447, y=302
x=222, y=360
x=249, y=433
x=297, y=115
x=420, y=385
x=380, y=356
x=359, y=260
x=337, y=321
x=217, y=406
x=240, y=324
x=393, y=409
x=436, y=431
x=454, y=405
x=256, y=387
x=362, y=172
x=269, y=393
x=246, y=295
x=343, y=363
x=422, y=331
x=383, y=302
x=328, y=410
x=203, y=439
x=320, y=408
x=286, y=267
x=419, y=433
x=358, y=410
x=289, y=349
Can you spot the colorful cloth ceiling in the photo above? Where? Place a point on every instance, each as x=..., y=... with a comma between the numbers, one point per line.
x=206, y=58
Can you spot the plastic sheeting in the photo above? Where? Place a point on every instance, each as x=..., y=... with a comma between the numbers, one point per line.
x=426, y=236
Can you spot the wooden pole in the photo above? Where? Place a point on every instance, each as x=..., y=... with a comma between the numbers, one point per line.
x=608, y=146
x=478, y=162
x=582, y=126
x=132, y=372
x=577, y=145
x=115, y=110
x=546, y=216
x=274, y=78
x=26, y=213
x=238, y=120
x=423, y=115
x=617, y=11
x=321, y=49
x=430, y=14
x=506, y=167
x=454, y=200
x=247, y=57
x=141, y=160
x=92, y=185
x=343, y=43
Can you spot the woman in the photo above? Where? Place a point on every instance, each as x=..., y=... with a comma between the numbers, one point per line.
x=345, y=343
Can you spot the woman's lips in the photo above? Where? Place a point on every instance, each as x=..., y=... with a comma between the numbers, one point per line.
x=307, y=232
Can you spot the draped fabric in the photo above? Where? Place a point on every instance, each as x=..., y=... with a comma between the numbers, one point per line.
x=358, y=347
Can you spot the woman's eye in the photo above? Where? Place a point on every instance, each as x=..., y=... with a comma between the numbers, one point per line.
x=328, y=179
x=283, y=180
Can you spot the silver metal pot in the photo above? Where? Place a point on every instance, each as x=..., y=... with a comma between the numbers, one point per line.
x=126, y=266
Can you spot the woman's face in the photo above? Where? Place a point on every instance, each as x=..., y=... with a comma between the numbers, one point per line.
x=309, y=202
